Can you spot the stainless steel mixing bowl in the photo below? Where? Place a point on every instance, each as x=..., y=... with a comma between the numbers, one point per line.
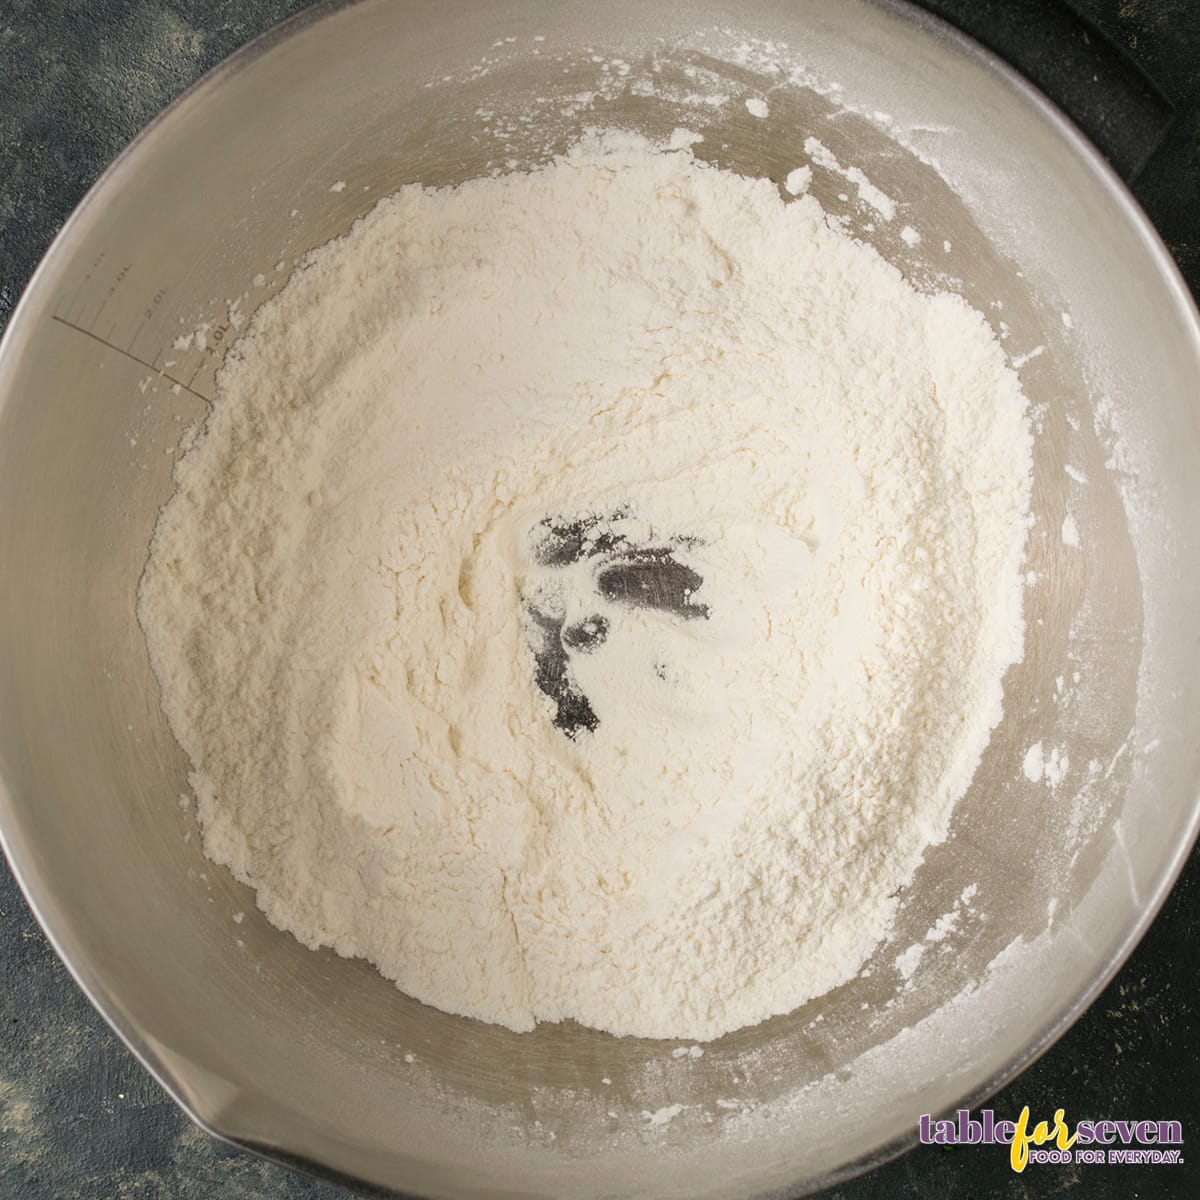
x=316, y=1059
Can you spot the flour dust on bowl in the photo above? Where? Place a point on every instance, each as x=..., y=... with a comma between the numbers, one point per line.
x=558, y=570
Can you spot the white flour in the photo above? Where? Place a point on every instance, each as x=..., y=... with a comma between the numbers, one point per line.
x=399, y=608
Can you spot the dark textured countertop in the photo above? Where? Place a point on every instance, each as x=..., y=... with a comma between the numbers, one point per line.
x=79, y=1118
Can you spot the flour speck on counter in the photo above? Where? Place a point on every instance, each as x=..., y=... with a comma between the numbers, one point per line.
x=590, y=593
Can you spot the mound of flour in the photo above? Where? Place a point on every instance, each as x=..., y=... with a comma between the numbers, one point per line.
x=590, y=593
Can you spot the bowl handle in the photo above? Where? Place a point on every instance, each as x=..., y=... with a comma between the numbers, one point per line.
x=1108, y=95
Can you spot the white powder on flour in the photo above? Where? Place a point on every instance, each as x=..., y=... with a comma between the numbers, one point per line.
x=591, y=591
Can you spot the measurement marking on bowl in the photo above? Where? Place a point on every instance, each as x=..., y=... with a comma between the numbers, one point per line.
x=132, y=357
